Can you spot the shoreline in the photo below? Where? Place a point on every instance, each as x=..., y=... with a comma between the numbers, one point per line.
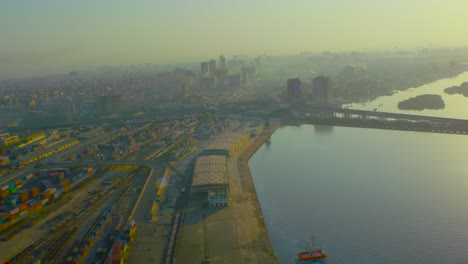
x=248, y=185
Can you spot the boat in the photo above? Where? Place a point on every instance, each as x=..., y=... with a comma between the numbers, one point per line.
x=313, y=255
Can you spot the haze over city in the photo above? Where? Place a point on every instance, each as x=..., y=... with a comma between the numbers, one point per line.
x=214, y=132
x=45, y=37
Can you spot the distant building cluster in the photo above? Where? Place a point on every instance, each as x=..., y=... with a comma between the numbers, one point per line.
x=319, y=92
x=212, y=76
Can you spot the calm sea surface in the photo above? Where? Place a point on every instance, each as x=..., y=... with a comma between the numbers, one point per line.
x=369, y=196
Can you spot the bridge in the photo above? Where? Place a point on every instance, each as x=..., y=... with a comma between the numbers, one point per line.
x=380, y=120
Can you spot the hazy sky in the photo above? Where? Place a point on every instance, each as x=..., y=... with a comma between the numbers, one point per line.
x=44, y=36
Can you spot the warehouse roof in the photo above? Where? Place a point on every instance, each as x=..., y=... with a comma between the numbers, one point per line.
x=210, y=170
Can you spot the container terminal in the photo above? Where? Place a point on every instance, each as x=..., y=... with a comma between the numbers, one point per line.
x=106, y=193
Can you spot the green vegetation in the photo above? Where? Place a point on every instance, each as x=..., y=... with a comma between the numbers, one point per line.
x=421, y=102
x=462, y=89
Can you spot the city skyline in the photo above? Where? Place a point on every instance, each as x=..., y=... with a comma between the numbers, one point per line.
x=51, y=37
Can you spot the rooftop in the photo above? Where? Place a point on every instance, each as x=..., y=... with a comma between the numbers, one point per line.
x=210, y=171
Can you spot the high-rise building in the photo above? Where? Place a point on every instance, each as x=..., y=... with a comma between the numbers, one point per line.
x=222, y=62
x=220, y=74
x=248, y=73
x=204, y=68
x=212, y=67
x=320, y=87
x=234, y=81
x=294, y=88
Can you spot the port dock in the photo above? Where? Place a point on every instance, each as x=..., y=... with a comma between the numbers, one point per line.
x=229, y=234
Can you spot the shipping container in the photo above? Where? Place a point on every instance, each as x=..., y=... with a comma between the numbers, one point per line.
x=23, y=207
x=31, y=203
x=13, y=189
x=15, y=220
x=23, y=213
x=12, y=200
x=14, y=216
x=34, y=192
x=4, y=215
x=45, y=184
x=5, y=220
x=24, y=195
x=4, y=194
x=117, y=247
x=14, y=211
x=37, y=206
x=45, y=201
x=117, y=259
x=5, y=188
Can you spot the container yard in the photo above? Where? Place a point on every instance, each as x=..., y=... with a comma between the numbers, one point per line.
x=91, y=226
x=60, y=212
x=36, y=190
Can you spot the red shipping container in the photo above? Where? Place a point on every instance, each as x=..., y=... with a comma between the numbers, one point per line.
x=34, y=192
x=117, y=258
x=117, y=248
x=14, y=216
x=24, y=197
x=23, y=207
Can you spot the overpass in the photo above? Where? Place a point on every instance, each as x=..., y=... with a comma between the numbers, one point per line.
x=380, y=120
x=363, y=114
x=147, y=163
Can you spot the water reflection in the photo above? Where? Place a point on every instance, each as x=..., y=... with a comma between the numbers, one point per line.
x=456, y=106
x=323, y=130
x=382, y=191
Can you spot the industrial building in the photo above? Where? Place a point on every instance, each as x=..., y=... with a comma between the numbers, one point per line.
x=210, y=172
x=227, y=145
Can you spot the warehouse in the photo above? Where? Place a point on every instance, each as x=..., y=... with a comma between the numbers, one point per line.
x=211, y=177
x=228, y=145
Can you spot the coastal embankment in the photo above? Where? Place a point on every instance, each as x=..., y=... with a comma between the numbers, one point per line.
x=254, y=242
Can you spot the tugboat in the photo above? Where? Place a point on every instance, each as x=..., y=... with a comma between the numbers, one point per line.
x=313, y=255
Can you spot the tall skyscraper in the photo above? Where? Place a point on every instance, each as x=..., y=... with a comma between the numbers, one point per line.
x=294, y=88
x=320, y=87
x=204, y=68
x=222, y=62
x=212, y=67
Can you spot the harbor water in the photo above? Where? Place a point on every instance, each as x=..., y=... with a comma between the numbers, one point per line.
x=456, y=106
x=367, y=195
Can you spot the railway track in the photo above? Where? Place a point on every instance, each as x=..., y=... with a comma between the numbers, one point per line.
x=49, y=246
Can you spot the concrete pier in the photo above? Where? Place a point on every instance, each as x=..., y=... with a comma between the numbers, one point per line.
x=233, y=234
